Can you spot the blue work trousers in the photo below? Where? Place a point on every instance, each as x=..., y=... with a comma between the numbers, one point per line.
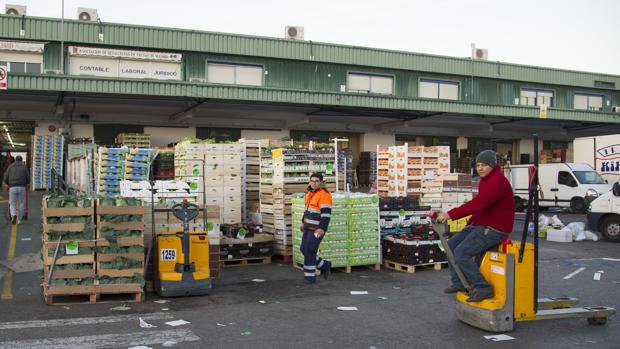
x=472, y=242
x=310, y=248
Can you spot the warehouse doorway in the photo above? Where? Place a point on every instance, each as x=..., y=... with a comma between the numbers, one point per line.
x=15, y=139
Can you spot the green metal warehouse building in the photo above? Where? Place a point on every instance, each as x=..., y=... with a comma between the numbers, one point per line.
x=97, y=79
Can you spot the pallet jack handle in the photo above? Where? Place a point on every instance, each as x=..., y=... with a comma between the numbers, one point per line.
x=531, y=215
x=185, y=211
x=442, y=230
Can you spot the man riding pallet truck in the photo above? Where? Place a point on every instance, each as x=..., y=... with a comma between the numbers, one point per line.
x=505, y=288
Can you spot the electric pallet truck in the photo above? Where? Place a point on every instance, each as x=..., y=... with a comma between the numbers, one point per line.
x=181, y=259
x=512, y=271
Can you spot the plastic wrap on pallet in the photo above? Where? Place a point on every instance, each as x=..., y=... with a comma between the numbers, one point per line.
x=47, y=153
x=352, y=237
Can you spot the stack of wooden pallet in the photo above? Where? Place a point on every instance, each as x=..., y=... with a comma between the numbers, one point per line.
x=252, y=173
x=136, y=140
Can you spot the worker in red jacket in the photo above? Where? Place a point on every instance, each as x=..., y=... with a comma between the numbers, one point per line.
x=492, y=217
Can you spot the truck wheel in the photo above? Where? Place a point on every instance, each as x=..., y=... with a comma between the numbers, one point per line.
x=578, y=205
x=519, y=205
x=611, y=228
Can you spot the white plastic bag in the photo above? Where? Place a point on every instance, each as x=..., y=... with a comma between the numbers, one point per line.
x=543, y=221
x=592, y=236
x=578, y=229
x=556, y=221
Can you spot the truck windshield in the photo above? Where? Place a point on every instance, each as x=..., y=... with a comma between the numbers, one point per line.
x=589, y=177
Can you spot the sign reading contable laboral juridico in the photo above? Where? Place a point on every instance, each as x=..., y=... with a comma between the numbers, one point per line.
x=124, y=63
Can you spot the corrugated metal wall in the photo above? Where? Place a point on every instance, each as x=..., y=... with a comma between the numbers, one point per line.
x=306, y=72
x=47, y=29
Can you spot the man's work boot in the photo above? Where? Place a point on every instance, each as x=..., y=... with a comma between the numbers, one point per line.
x=14, y=220
x=479, y=295
x=454, y=289
x=310, y=280
x=327, y=269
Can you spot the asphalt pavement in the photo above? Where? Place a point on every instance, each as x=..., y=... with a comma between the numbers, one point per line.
x=401, y=310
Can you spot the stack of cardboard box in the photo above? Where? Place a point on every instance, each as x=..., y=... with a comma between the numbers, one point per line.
x=216, y=171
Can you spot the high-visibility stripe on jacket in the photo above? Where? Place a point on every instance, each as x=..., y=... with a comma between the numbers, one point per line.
x=318, y=209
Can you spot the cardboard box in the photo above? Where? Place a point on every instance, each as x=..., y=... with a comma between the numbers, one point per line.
x=464, y=197
x=449, y=197
x=447, y=207
x=215, y=180
x=233, y=159
x=560, y=235
x=232, y=191
x=214, y=192
x=232, y=181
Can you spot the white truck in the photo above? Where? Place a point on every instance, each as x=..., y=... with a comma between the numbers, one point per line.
x=600, y=152
x=561, y=185
x=604, y=214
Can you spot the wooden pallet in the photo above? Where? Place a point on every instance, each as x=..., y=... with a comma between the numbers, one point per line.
x=411, y=268
x=347, y=269
x=89, y=294
x=284, y=258
x=244, y=262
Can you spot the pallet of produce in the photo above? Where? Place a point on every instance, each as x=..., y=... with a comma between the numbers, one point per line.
x=67, y=217
x=71, y=275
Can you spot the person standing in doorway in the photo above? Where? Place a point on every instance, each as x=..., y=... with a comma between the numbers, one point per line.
x=314, y=226
x=17, y=178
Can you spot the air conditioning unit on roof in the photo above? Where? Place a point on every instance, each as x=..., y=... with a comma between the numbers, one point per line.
x=15, y=10
x=87, y=14
x=480, y=54
x=294, y=32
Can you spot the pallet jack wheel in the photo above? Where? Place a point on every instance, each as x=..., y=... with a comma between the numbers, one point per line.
x=597, y=321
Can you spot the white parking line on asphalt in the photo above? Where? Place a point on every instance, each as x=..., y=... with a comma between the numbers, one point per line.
x=574, y=273
x=82, y=321
x=114, y=340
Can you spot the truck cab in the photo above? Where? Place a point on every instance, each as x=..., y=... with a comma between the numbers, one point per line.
x=561, y=185
x=604, y=214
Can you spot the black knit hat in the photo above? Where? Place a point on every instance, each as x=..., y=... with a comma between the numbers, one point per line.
x=317, y=175
x=487, y=157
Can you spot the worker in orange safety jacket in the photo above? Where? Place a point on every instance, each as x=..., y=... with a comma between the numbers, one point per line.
x=314, y=226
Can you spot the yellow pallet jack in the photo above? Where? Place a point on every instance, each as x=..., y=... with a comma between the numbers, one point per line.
x=512, y=271
x=181, y=259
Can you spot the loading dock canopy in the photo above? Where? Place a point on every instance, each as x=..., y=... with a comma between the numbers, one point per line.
x=183, y=111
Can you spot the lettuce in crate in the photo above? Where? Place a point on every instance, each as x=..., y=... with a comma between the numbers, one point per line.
x=88, y=233
x=66, y=201
x=73, y=282
x=74, y=266
x=61, y=251
x=121, y=263
x=114, y=248
x=111, y=234
x=108, y=280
